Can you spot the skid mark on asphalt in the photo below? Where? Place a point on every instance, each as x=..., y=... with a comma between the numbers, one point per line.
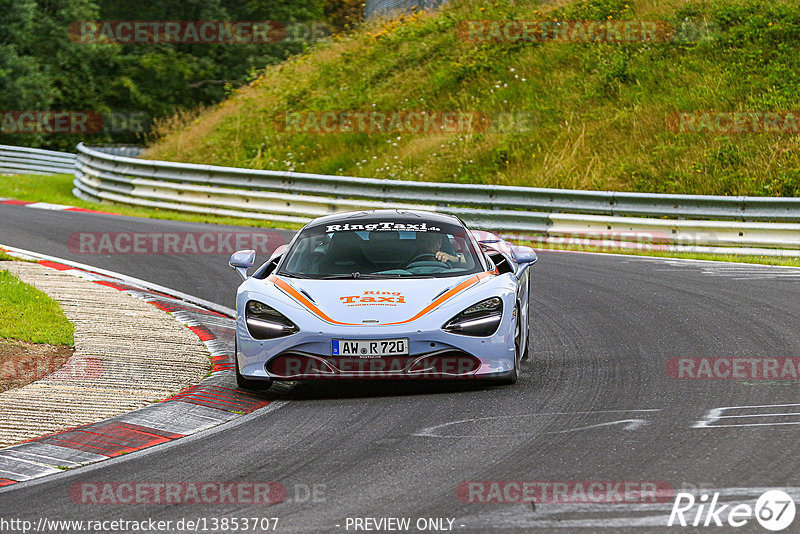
x=630, y=424
x=445, y=430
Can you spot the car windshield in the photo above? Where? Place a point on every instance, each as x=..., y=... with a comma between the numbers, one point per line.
x=380, y=249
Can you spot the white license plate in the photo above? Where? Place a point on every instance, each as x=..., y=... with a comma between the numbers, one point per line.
x=369, y=348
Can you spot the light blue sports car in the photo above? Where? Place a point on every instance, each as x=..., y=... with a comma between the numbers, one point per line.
x=383, y=294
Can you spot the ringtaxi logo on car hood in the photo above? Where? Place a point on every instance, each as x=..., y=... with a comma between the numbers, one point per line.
x=374, y=298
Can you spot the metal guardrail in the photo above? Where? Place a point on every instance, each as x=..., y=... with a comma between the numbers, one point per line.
x=109, y=174
x=246, y=182
x=23, y=160
x=298, y=197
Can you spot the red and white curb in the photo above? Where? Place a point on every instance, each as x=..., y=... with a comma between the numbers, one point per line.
x=212, y=402
x=48, y=206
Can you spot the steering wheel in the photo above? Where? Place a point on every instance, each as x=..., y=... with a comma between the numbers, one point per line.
x=419, y=258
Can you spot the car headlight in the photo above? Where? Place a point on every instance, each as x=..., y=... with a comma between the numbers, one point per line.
x=264, y=322
x=481, y=319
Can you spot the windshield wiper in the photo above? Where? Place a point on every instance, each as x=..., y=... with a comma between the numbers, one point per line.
x=341, y=276
x=357, y=275
x=296, y=275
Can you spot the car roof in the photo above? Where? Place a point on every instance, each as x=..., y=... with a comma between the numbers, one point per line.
x=397, y=215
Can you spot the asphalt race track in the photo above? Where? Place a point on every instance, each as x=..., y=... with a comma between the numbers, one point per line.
x=595, y=403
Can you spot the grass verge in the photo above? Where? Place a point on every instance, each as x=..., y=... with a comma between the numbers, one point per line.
x=592, y=115
x=27, y=314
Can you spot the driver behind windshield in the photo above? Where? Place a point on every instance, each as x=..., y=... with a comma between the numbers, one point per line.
x=431, y=243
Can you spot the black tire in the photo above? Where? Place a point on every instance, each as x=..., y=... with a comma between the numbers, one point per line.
x=513, y=375
x=526, y=354
x=246, y=383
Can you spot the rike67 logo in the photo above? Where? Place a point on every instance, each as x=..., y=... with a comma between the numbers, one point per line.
x=774, y=510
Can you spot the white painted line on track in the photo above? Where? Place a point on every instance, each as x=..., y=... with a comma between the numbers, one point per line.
x=717, y=414
x=50, y=454
x=670, y=260
x=48, y=206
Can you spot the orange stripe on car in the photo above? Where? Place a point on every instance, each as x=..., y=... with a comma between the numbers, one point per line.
x=299, y=297
x=304, y=301
x=469, y=282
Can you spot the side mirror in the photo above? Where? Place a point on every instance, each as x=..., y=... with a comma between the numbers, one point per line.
x=241, y=260
x=522, y=254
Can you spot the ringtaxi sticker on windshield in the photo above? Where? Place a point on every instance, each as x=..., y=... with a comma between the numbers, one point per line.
x=382, y=227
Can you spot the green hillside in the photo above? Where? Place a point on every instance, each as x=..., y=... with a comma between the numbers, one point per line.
x=588, y=115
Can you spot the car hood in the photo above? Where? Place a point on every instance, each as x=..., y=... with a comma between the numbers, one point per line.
x=384, y=301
